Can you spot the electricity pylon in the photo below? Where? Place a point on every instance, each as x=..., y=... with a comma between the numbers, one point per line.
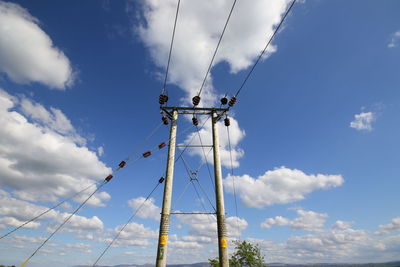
x=216, y=114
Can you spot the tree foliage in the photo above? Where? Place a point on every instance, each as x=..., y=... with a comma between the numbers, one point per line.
x=245, y=255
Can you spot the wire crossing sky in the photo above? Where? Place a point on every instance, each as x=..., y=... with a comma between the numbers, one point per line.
x=310, y=163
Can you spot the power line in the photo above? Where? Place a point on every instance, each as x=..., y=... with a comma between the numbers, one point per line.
x=204, y=192
x=233, y=179
x=189, y=172
x=191, y=140
x=64, y=222
x=47, y=211
x=126, y=224
x=134, y=150
x=203, y=162
x=170, y=48
x=266, y=46
x=216, y=49
x=181, y=195
x=127, y=162
x=205, y=157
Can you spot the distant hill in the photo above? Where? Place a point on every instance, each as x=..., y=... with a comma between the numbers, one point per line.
x=384, y=264
x=201, y=264
x=205, y=264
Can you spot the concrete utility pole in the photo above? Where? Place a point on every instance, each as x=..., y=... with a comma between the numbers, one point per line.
x=166, y=206
x=219, y=194
x=216, y=114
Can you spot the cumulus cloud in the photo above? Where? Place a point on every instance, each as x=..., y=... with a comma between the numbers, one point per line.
x=100, y=151
x=185, y=244
x=342, y=225
x=394, y=41
x=199, y=26
x=15, y=223
x=327, y=245
x=77, y=224
x=55, y=163
x=14, y=212
x=54, y=119
x=134, y=234
x=307, y=221
x=78, y=247
x=339, y=243
x=363, y=121
x=148, y=210
x=28, y=53
x=21, y=241
x=279, y=186
x=328, y=239
x=205, y=226
x=392, y=226
x=236, y=135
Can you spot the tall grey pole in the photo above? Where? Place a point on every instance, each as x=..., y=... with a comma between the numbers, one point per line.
x=166, y=206
x=219, y=193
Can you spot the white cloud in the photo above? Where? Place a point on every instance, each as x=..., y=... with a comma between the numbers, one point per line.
x=54, y=119
x=77, y=224
x=54, y=162
x=148, y=210
x=327, y=245
x=100, y=151
x=28, y=53
x=185, y=244
x=197, y=33
x=236, y=135
x=394, y=41
x=363, y=121
x=235, y=226
x=198, y=30
x=78, y=247
x=307, y=221
x=279, y=186
x=15, y=222
x=339, y=243
x=339, y=240
x=392, y=226
x=205, y=226
x=20, y=241
x=199, y=239
x=14, y=212
x=342, y=225
x=134, y=234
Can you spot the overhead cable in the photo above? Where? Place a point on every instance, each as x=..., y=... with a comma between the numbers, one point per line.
x=126, y=224
x=64, y=222
x=163, y=90
x=205, y=157
x=47, y=211
x=216, y=49
x=233, y=178
x=265, y=48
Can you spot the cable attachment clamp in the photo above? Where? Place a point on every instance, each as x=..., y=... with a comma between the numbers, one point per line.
x=195, y=121
x=232, y=102
x=196, y=100
x=163, y=99
x=227, y=122
x=224, y=101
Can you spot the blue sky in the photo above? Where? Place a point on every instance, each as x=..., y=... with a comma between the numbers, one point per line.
x=314, y=133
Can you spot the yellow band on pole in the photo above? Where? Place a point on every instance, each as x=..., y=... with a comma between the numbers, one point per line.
x=163, y=240
x=223, y=243
x=23, y=264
